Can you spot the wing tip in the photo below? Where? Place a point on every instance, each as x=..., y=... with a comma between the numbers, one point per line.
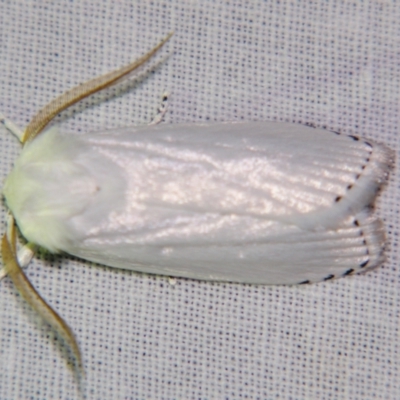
x=382, y=162
x=369, y=182
x=373, y=232
x=361, y=195
x=372, y=235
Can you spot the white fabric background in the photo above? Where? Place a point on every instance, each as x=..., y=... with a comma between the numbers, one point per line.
x=330, y=63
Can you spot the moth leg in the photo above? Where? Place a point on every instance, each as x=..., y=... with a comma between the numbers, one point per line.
x=13, y=128
x=24, y=256
x=172, y=281
x=25, y=253
x=3, y=273
x=161, y=110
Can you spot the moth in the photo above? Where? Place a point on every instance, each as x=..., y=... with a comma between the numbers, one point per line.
x=251, y=202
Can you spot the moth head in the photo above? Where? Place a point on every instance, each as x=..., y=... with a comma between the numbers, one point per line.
x=32, y=189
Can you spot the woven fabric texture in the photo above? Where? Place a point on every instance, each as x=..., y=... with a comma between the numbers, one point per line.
x=334, y=64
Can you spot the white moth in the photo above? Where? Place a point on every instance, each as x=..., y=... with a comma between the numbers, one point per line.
x=259, y=202
x=269, y=203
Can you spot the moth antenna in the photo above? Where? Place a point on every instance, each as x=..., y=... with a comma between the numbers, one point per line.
x=33, y=298
x=77, y=93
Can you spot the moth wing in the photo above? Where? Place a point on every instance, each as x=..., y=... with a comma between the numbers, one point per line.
x=296, y=174
x=244, y=250
x=253, y=202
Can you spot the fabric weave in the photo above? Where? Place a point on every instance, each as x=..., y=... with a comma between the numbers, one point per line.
x=334, y=64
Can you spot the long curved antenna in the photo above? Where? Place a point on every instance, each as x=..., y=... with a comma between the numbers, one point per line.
x=33, y=298
x=72, y=96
